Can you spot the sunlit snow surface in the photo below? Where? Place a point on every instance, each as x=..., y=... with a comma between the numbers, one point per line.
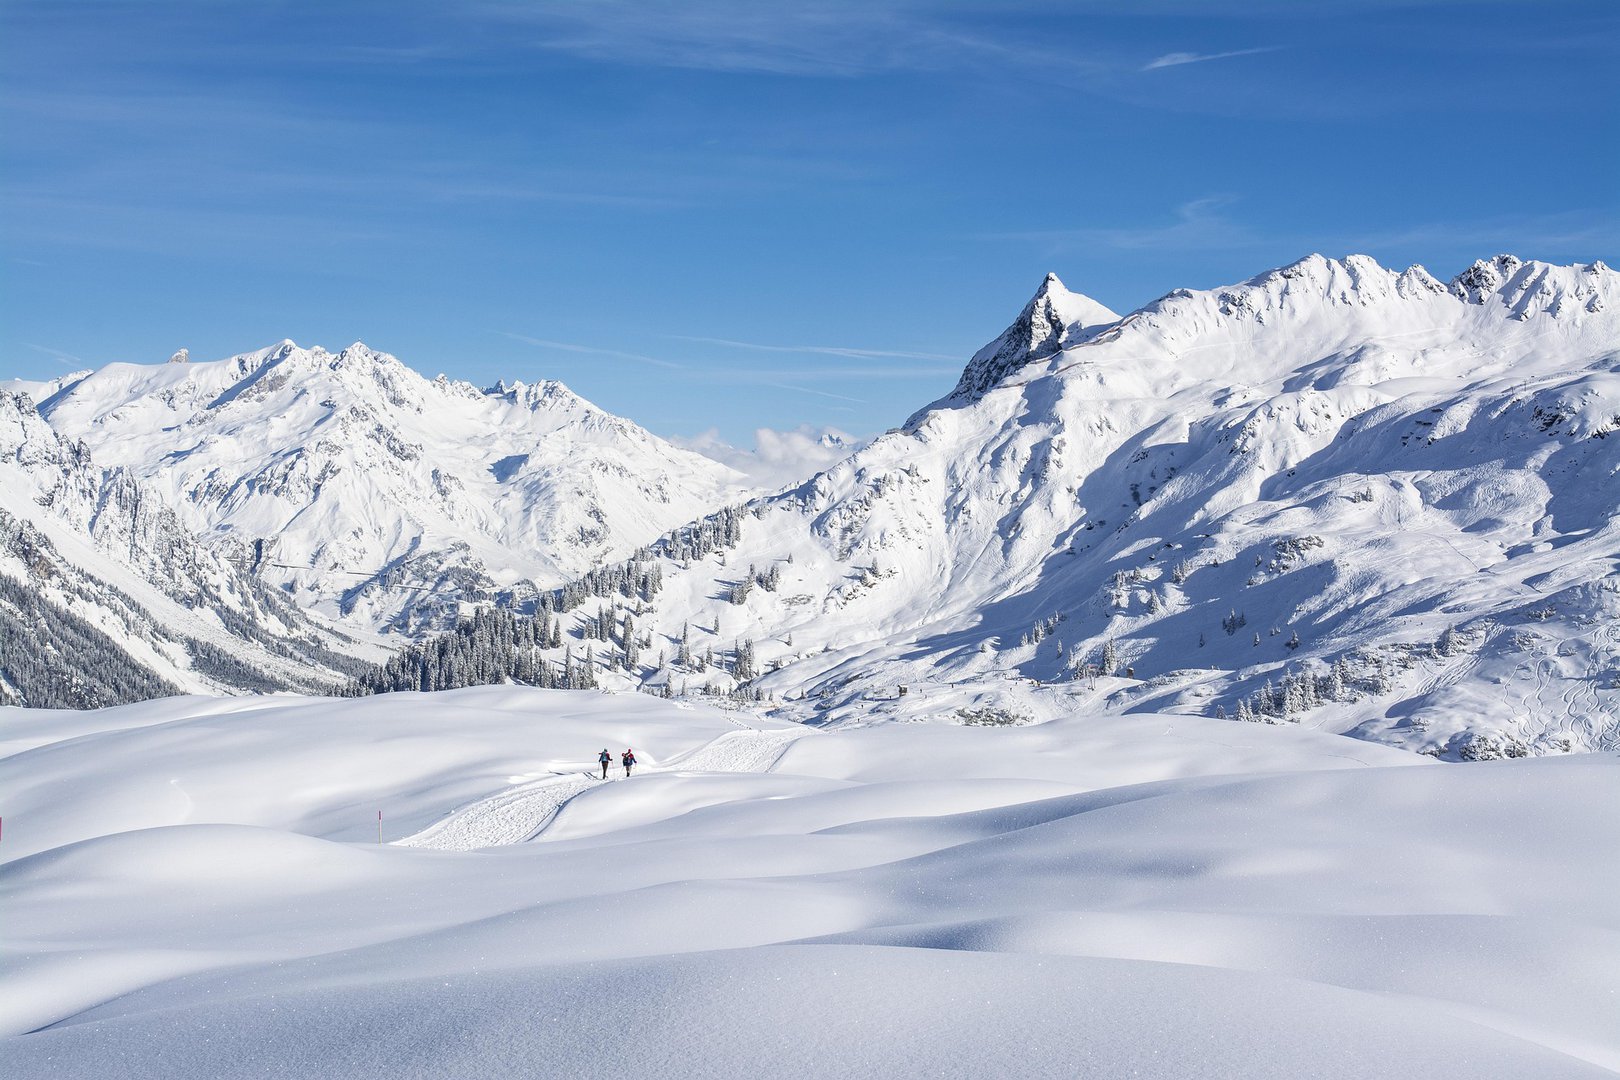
x=194, y=888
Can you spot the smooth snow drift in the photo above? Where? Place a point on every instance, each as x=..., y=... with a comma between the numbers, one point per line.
x=194, y=888
x=524, y=812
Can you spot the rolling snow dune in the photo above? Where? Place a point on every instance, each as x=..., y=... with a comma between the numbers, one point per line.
x=1153, y=895
x=313, y=766
x=800, y=1011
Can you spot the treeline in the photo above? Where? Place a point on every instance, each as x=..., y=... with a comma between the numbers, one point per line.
x=1348, y=679
x=494, y=645
x=641, y=576
x=490, y=646
x=52, y=659
x=688, y=543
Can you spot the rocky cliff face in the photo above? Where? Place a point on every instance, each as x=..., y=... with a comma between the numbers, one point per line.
x=106, y=597
x=1053, y=318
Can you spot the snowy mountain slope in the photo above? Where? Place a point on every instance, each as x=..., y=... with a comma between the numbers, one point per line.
x=1149, y=895
x=105, y=597
x=1332, y=483
x=379, y=496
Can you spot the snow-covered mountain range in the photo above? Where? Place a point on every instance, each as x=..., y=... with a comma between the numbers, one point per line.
x=105, y=596
x=1339, y=494
x=1358, y=498
x=380, y=497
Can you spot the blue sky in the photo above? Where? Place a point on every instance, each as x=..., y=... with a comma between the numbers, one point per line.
x=733, y=213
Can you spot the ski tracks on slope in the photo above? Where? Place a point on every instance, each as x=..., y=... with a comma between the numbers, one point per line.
x=508, y=817
x=522, y=813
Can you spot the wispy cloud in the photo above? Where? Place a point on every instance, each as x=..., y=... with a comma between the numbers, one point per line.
x=838, y=38
x=835, y=373
x=66, y=359
x=143, y=134
x=190, y=232
x=1196, y=225
x=817, y=393
x=423, y=182
x=824, y=350
x=1579, y=234
x=591, y=350
x=1177, y=59
x=396, y=54
x=1202, y=225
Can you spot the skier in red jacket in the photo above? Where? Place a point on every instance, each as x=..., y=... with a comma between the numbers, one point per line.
x=629, y=759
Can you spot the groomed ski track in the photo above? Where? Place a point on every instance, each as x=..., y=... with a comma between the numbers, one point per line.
x=521, y=813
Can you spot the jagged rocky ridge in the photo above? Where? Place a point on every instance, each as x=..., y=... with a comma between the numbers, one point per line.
x=379, y=497
x=1334, y=494
x=106, y=598
x=1053, y=319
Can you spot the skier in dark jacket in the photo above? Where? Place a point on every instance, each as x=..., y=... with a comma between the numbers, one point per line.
x=606, y=759
x=629, y=759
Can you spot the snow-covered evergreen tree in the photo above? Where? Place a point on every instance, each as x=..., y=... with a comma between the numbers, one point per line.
x=1450, y=643
x=742, y=669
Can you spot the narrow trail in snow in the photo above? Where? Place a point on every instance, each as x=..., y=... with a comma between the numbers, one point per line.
x=522, y=813
x=507, y=817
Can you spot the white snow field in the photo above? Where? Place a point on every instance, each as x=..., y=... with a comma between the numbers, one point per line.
x=194, y=888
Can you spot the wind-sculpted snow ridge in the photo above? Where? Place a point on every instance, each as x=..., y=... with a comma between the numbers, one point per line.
x=106, y=598
x=380, y=497
x=202, y=889
x=1335, y=494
